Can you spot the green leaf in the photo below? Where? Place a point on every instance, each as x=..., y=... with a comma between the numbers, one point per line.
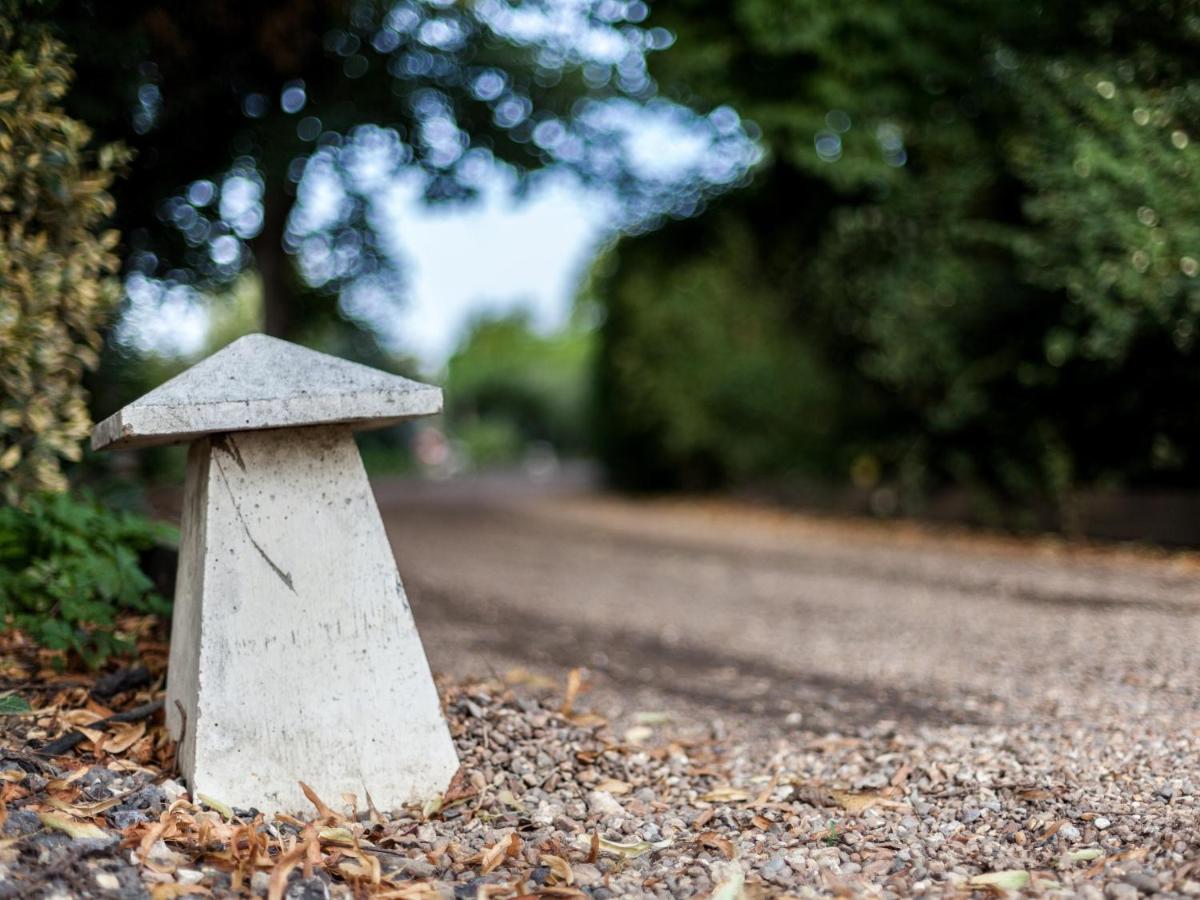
x=223, y=808
x=14, y=705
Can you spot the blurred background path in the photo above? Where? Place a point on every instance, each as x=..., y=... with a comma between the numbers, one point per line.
x=773, y=621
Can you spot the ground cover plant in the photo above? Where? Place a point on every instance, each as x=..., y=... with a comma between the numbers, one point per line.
x=70, y=568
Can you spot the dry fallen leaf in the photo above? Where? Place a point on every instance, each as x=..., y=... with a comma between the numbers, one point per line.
x=121, y=736
x=574, y=682
x=86, y=810
x=460, y=789
x=521, y=675
x=169, y=891
x=559, y=868
x=631, y=850
x=508, y=846
x=1134, y=853
x=594, y=847
x=339, y=835
x=1007, y=880
x=1086, y=854
x=726, y=795
x=1035, y=794
x=638, y=734
x=322, y=810
x=901, y=775
x=716, y=842
x=588, y=720
x=72, y=827
x=731, y=882
x=614, y=787
x=859, y=801
x=283, y=868
x=411, y=891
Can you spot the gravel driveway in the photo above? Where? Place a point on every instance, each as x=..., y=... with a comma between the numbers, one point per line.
x=1010, y=705
x=678, y=699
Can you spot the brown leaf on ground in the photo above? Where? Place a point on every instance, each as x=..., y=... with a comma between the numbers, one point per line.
x=169, y=891
x=413, y=891
x=519, y=675
x=859, y=801
x=508, y=846
x=1052, y=829
x=1035, y=794
x=594, y=849
x=714, y=841
x=559, y=868
x=574, y=682
x=726, y=795
x=588, y=720
x=902, y=775
x=1133, y=854
x=460, y=788
x=614, y=786
x=151, y=835
x=87, y=810
x=120, y=737
x=323, y=811
x=374, y=813
x=283, y=868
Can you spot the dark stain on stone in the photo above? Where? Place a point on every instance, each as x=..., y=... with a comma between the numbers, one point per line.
x=225, y=442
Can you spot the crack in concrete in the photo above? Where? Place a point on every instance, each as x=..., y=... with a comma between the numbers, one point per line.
x=283, y=576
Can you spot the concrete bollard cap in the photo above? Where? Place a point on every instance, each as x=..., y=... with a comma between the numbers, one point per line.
x=260, y=382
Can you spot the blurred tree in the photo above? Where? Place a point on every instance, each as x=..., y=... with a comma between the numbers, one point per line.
x=508, y=386
x=57, y=286
x=979, y=220
x=234, y=107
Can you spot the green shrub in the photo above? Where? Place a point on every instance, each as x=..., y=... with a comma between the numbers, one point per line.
x=69, y=567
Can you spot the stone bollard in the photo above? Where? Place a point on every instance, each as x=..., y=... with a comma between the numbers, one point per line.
x=294, y=656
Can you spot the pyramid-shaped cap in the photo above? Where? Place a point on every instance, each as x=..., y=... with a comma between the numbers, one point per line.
x=262, y=382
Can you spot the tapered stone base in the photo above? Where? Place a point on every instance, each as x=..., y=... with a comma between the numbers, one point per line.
x=294, y=656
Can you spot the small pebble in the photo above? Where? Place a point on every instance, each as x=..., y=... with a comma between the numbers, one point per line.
x=107, y=881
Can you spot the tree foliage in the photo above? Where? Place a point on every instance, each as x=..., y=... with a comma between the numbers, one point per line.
x=508, y=386
x=57, y=265
x=240, y=113
x=978, y=221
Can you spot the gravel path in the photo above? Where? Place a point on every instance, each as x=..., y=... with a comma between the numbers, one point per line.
x=1022, y=699
x=777, y=622
x=700, y=699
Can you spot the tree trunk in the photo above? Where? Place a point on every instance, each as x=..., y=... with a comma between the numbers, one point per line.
x=274, y=267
